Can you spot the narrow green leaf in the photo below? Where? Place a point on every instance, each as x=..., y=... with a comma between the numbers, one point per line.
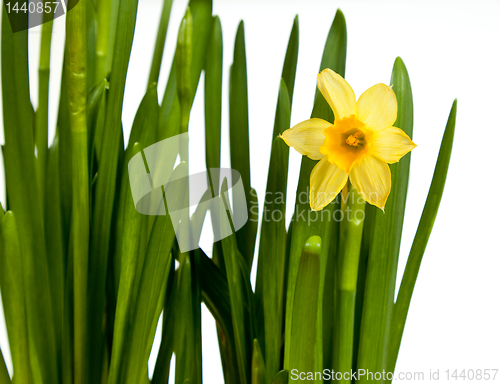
x=144, y=131
x=291, y=57
x=213, y=98
x=106, y=183
x=161, y=36
x=64, y=170
x=24, y=199
x=150, y=298
x=133, y=223
x=238, y=109
x=95, y=104
x=307, y=223
x=145, y=126
x=201, y=11
x=4, y=374
x=106, y=13
x=68, y=350
x=421, y=238
x=302, y=345
x=56, y=257
x=12, y=283
x=42, y=113
x=184, y=336
x=238, y=134
x=270, y=308
x=63, y=134
x=258, y=367
x=111, y=9
x=196, y=310
x=330, y=293
x=170, y=110
x=249, y=300
x=385, y=243
x=162, y=368
x=277, y=190
x=236, y=291
x=196, y=256
x=183, y=62
x=271, y=267
x=215, y=293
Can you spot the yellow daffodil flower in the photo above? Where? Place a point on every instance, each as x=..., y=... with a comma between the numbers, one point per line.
x=356, y=147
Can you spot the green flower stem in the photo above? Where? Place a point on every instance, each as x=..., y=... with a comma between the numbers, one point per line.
x=351, y=231
x=76, y=46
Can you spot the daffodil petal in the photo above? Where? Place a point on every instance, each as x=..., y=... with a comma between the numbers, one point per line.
x=338, y=93
x=390, y=144
x=372, y=180
x=307, y=137
x=327, y=180
x=377, y=107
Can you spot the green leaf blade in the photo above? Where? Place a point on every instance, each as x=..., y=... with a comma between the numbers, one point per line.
x=239, y=136
x=111, y=152
x=258, y=367
x=236, y=290
x=131, y=250
x=213, y=97
x=272, y=248
x=421, y=239
x=385, y=243
x=12, y=283
x=292, y=53
x=24, y=198
x=302, y=347
x=161, y=36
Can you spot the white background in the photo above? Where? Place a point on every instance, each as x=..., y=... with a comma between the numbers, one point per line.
x=451, y=51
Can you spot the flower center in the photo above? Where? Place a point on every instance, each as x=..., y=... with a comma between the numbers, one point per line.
x=347, y=141
x=356, y=140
